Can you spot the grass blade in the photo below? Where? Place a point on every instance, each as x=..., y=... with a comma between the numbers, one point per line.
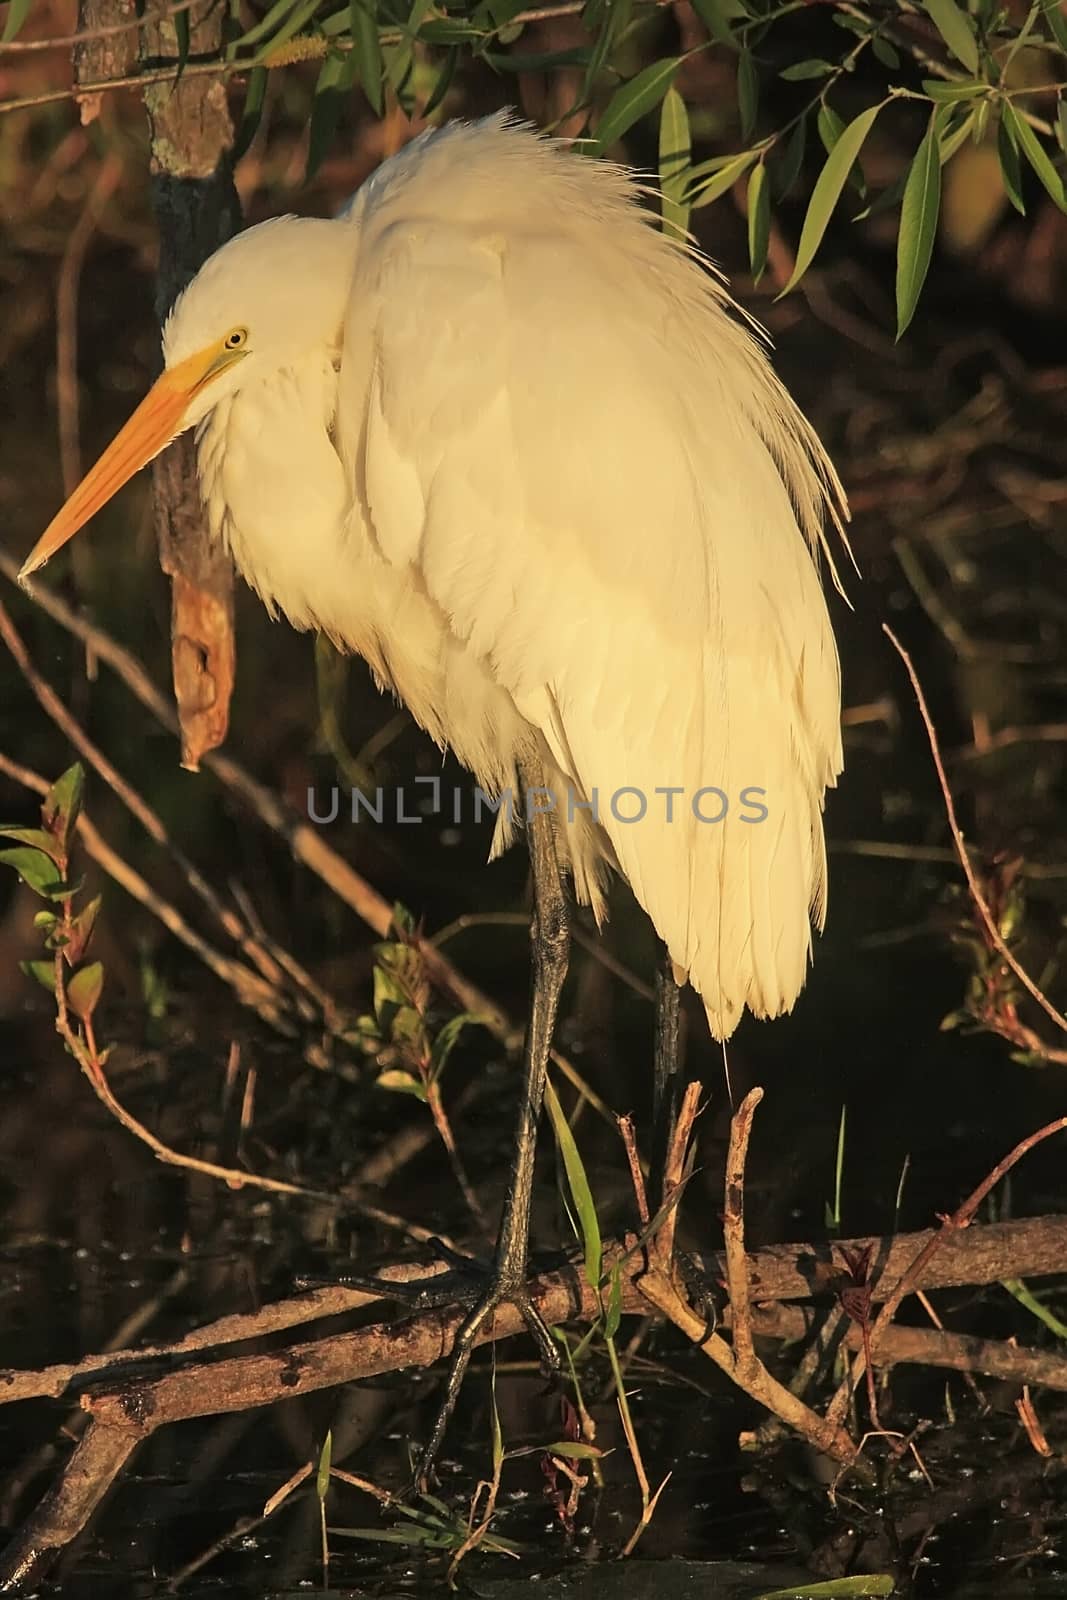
x=578, y=1183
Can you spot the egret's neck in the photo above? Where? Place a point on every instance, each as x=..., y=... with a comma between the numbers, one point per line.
x=274, y=488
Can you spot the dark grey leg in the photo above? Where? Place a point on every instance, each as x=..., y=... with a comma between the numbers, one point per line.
x=667, y=1071
x=550, y=936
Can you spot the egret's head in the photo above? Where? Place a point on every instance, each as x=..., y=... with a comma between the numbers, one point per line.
x=270, y=297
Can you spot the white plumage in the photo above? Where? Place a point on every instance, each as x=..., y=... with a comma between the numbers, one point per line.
x=493, y=431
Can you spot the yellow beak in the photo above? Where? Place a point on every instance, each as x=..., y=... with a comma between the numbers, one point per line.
x=157, y=420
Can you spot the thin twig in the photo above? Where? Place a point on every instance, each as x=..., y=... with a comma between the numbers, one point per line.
x=91, y=1061
x=733, y=1225
x=306, y=842
x=149, y=819
x=135, y=80
x=637, y=1177
x=824, y=1433
x=969, y=873
x=661, y=1245
x=249, y=988
x=911, y=1278
x=107, y=178
x=62, y=40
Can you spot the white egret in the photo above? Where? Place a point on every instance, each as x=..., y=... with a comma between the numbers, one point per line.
x=495, y=432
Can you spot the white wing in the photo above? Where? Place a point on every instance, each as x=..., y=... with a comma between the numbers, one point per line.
x=591, y=468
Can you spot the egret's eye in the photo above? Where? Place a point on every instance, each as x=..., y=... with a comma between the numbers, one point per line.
x=236, y=339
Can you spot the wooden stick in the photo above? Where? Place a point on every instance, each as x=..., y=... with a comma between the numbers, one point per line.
x=1029, y=1248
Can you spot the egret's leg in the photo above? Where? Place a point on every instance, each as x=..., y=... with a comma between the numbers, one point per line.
x=550, y=937
x=667, y=1070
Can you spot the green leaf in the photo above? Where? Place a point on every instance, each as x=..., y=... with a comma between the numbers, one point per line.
x=854, y=1588
x=606, y=24
x=81, y=931
x=632, y=100
x=37, y=871
x=830, y=126
x=334, y=84
x=814, y=68
x=884, y=52
x=578, y=1183
x=1010, y=169
x=951, y=138
x=322, y=1477
x=946, y=93
x=759, y=219
x=827, y=191
x=724, y=179
x=613, y=1312
x=35, y=837
x=498, y=1432
x=419, y=13
x=447, y=1039
x=17, y=12
x=957, y=30
x=1061, y=123
x=63, y=803
x=747, y=92
x=978, y=121
x=84, y=990
x=717, y=16
x=447, y=30
x=918, y=223
x=251, y=112
x=674, y=156
x=856, y=25
x=1026, y=1297
x=296, y=20
x=518, y=61
x=401, y=1082
x=363, y=26
x=388, y=992
x=1027, y=141
x=1056, y=22
x=264, y=27
x=446, y=71
x=786, y=169
x=571, y=1450
x=43, y=971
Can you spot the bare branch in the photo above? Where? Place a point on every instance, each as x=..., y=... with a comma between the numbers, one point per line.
x=61, y=41
x=969, y=873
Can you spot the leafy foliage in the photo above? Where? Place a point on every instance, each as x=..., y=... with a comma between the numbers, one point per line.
x=41, y=857
x=410, y=1051
x=978, y=70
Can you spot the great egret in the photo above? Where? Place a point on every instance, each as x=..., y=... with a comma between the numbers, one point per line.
x=499, y=435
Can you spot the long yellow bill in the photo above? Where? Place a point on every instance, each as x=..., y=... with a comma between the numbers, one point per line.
x=157, y=420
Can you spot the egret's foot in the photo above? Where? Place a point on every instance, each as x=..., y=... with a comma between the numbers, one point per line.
x=498, y=1291
x=706, y=1295
x=460, y=1283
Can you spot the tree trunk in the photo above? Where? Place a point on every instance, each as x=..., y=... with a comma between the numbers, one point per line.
x=197, y=209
